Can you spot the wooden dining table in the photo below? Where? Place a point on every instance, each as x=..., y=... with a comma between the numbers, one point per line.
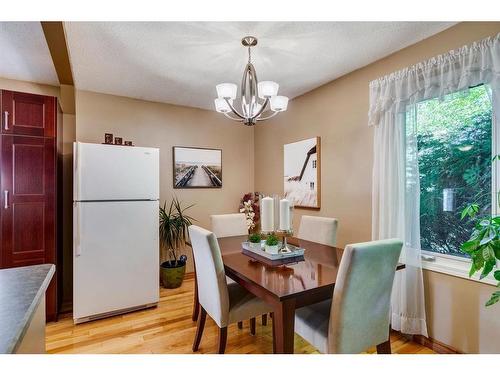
x=285, y=287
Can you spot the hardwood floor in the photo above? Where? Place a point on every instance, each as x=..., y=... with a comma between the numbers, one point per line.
x=169, y=329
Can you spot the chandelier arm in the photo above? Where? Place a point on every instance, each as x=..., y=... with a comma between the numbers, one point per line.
x=232, y=118
x=268, y=117
x=262, y=109
x=234, y=109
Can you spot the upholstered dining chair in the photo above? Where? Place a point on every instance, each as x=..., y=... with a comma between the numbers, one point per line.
x=224, y=303
x=358, y=316
x=225, y=225
x=318, y=229
x=229, y=225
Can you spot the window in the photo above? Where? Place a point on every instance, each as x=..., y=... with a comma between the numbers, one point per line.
x=454, y=138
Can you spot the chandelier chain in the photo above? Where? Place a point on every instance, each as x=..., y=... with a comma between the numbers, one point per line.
x=249, y=55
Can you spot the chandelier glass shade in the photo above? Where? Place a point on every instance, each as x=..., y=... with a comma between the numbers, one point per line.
x=258, y=100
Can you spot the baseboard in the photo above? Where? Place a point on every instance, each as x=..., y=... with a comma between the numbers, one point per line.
x=435, y=345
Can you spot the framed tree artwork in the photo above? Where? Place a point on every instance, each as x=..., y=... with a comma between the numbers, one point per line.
x=302, y=173
x=196, y=167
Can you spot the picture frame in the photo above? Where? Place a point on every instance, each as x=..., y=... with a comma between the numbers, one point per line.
x=302, y=173
x=196, y=167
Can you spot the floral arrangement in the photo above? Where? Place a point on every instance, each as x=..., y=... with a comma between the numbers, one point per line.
x=249, y=205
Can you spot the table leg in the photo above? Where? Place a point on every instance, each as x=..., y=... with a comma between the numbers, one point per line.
x=284, y=327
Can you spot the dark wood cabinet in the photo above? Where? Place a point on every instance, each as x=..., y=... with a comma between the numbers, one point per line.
x=28, y=180
x=28, y=114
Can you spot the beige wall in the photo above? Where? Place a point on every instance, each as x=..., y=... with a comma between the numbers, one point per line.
x=337, y=112
x=162, y=125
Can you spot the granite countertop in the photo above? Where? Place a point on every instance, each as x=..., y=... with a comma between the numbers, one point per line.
x=21, y=290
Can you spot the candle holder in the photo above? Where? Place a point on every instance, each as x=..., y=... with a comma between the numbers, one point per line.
x=284, y=234
x=276, y=218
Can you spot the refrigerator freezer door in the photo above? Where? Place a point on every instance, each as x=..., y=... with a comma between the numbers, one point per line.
x=108, y=172
x=116, y=256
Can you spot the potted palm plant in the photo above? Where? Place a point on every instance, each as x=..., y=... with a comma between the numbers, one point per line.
x=173, y=233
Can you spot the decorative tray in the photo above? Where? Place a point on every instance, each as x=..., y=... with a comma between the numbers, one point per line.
x=296, y=255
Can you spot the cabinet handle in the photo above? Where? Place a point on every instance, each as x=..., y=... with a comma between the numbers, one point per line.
x=6, y=120
x=6, y=199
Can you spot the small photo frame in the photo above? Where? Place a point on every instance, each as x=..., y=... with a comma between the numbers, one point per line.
x=118, y=140
x=108, y=138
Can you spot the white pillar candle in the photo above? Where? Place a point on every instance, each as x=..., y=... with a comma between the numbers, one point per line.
x=267, y=215
x=276, y=222
x=284, y=214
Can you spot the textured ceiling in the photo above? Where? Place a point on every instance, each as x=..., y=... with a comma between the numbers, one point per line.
x=24, y=54
x=181, y=62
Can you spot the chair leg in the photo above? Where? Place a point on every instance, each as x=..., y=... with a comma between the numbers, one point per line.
x=240, y=325
x=252, y=326
x=196, y=301
x=385, y=347
x=196, y=310
x=202, y=317
x=264, y=319
x=222, y=340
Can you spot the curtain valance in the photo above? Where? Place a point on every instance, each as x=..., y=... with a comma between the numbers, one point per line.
x=456, y=70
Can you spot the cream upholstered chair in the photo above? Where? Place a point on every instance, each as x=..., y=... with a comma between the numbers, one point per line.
x=229, y=225
x=318, y=229
x=225, y=303
x=358, y=316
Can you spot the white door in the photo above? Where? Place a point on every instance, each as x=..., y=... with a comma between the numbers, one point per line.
x=108, y=172
x=116, y=256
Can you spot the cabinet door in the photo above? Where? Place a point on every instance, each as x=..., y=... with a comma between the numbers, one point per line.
x=28, y=214
x=28, y=114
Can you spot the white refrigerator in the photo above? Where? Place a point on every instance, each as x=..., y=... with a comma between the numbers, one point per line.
x=115, y=229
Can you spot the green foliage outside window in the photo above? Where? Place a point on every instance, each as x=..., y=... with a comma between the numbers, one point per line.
x=454, y=138
x=454, y=153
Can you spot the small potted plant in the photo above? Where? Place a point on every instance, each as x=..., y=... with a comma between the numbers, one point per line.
x=173, y=233
x=254, y=241
x=272, y=244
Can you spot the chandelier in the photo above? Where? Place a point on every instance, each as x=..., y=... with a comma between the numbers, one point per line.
x=259, y=100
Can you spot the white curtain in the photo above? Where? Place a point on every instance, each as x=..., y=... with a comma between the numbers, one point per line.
x=396, y=186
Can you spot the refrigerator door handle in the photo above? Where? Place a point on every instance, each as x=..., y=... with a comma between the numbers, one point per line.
x=78, y=249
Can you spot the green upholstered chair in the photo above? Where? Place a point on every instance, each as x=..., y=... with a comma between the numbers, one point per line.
x=358, y=315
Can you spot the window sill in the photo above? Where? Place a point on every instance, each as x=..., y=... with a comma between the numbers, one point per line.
x=454, y=266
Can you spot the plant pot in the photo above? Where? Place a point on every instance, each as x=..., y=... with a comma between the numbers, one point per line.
x=172, y=275
x=272, y=249
x=255, y=245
